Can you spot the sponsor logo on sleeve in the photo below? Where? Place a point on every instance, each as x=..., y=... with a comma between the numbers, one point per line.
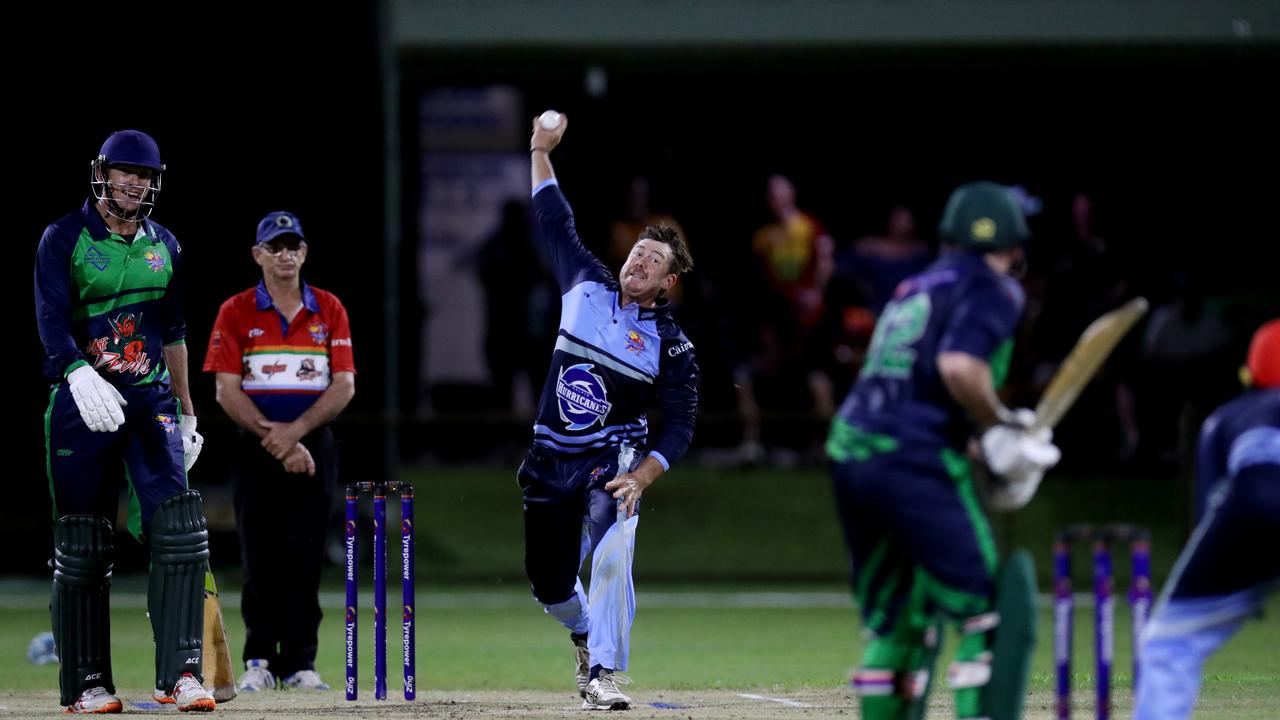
x=683, y=347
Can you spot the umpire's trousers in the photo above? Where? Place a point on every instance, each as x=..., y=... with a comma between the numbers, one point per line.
x=282, y=519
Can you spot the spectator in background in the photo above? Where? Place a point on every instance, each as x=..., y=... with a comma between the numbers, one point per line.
x=1184, y=338
x=795, y=258
x=638, y=215
x=1091, y=279
x=517, y=337
x=879, y=262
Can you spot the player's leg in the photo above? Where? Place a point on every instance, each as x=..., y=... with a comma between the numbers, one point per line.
x=175, y=597
x=303, y=560
x=1218, y=582
x=610, y=538
x=944, y=529
x=80, y=465
x=81, y=611
x=179, y=540
x=893, y=679
x=554, y=548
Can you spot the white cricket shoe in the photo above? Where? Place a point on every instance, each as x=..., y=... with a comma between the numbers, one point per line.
x=304, y=680
x=189, y=695
x=95, y=700
x=603, y=692
x=582, y=671
x=256, y=677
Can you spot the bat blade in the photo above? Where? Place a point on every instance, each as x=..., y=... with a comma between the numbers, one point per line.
x=219, y=673
x=1090, y=352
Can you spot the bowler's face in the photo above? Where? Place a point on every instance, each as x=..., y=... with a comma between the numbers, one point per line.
x=647, y=270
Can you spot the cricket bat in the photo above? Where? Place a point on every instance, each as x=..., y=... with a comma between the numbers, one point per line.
x=1090, y=352
x=219, y=673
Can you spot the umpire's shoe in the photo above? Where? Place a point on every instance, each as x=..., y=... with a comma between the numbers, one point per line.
x=256, y=677
x=603, y=692
x=96, y=700
x=582, y=660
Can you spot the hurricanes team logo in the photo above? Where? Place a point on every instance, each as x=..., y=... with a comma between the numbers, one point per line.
x=167, y=423
x=124, y=351
x=155, y=260
x=635, y=341
x=581, y=397
x=598, y=471
x=319, y=332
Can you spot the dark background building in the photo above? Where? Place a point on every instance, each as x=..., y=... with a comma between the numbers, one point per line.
x=1163, y=112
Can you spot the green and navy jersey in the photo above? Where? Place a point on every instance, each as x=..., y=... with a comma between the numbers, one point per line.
x=611, y=363
x=284, y=366
x=957, y=304
x=107, y=301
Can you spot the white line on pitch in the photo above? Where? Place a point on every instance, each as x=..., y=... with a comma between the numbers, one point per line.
x=782, y=701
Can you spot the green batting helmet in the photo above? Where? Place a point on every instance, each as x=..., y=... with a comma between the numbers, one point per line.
x=984, y=216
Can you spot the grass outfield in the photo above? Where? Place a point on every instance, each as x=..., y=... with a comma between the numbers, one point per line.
x=765, y=642
x=741, y=592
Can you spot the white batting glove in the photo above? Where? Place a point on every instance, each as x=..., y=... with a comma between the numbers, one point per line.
x=100, y=404
x=192, y=441
x=1005, y=495
x=1018, y=459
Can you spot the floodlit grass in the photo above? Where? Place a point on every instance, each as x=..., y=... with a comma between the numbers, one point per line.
x=505, y=642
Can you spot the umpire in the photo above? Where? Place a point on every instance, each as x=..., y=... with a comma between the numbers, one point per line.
x=284, y=369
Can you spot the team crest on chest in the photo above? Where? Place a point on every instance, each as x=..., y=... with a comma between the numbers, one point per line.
x=319, y=332
x=581, y=397
x=154, y=259
x=635, y=342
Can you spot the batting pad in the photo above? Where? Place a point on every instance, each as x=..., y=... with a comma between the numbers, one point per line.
x=612, y=599
x=175, y=589
x=1014, y=641
x=81, y=604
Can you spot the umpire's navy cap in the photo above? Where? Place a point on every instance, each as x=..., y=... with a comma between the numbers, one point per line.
x=276, y=224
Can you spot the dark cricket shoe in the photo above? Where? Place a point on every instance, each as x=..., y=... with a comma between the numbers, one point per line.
x=603, y=692
x=583, y=660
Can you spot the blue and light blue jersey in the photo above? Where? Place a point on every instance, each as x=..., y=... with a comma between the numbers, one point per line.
x=957, y=304
x=611, y=364
x=1241, y=434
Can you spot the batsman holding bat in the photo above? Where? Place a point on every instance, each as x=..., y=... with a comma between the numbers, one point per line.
x=619, y=352
x=922, y=549
x=108, y=285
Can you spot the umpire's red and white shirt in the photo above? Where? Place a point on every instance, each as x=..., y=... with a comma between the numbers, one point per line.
x=284, y=366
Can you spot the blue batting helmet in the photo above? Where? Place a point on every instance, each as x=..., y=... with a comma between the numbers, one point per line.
x=126, y=147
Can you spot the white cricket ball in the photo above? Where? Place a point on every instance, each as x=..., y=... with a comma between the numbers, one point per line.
x=549, y=119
